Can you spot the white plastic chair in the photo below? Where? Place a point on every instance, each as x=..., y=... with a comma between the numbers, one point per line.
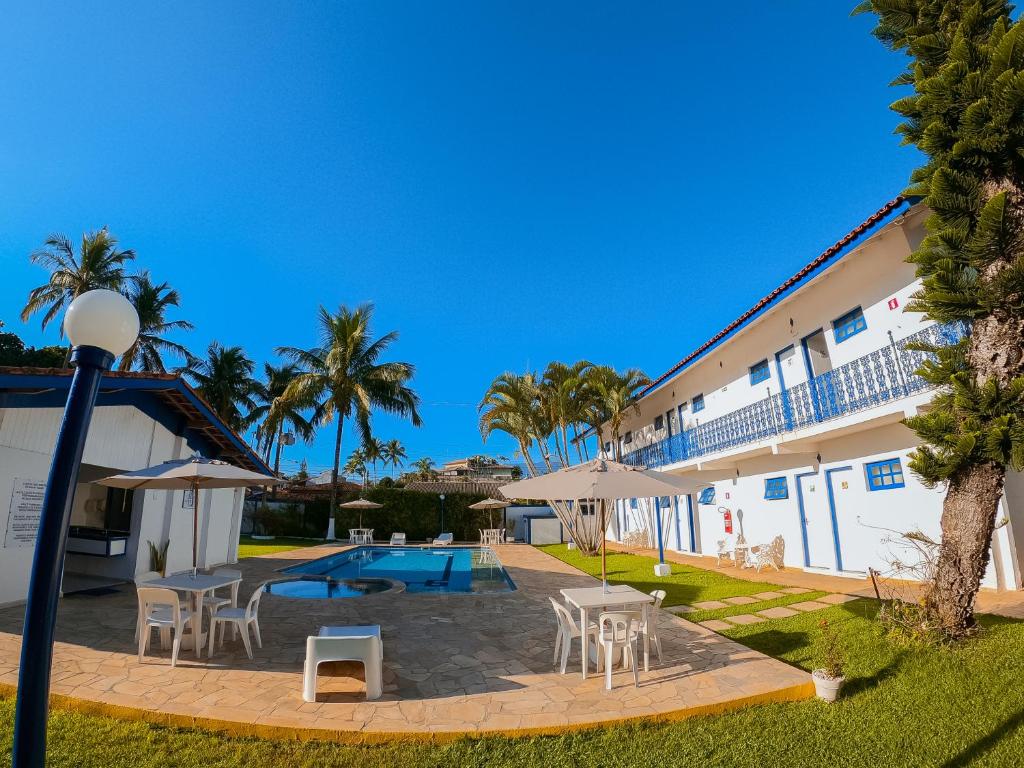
x=161, y=608
x=397, y=539
x=212, y=602
x=444, y=540
x=241, y=618
x=650, y=627
x=354, y=536
x=345, y=644
x=618, y=630
x=726, y=549
x=568, y=630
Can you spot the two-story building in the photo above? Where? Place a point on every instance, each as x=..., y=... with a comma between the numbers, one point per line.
x=793, y=413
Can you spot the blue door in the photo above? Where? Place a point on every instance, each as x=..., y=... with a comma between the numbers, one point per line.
x=817, y=523
x=783, y=356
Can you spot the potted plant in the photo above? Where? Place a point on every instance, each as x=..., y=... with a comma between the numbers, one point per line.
x=828, y=678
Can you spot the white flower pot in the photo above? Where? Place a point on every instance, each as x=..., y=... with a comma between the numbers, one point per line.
x=827, y=688
x=571, y=545
x=663, y=569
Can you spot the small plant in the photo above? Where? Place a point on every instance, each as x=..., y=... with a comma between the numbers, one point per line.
x=158, y=557
x=831, y=655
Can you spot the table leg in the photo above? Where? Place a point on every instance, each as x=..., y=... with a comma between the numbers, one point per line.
x=586, y=642
x=647, y=641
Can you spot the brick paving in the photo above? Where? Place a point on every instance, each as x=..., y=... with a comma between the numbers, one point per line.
x=453, y=663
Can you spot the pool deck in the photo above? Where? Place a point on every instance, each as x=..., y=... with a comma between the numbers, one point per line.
x=453, y=664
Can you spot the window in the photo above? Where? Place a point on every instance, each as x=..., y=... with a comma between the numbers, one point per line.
x=632, y=503
x=776, y=488
x=760, y=372
x=698, y=403
x=628, y=438
x=587, y=508
x=664, y=503
x=659, y=422
x=707, y=496
x=608, y=447
x=884, y=475
x=848, y=325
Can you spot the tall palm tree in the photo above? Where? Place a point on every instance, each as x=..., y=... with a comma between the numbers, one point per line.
x=275, y=411
x=98, y=264
x=610, y=396
x=373, y=450
x=224, y=380
x=561, y=394
x=356, y=465
x=424, y=468
x=151, y=303
x=346, y=379
x=394, y=454
x=511, y=405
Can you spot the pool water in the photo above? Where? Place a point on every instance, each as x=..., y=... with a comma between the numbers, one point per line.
x=321, y=588
x=422, y=569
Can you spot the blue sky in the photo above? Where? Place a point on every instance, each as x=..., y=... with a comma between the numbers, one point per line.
x=509, y=182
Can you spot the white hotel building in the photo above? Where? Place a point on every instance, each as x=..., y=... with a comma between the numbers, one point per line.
x=793, y=414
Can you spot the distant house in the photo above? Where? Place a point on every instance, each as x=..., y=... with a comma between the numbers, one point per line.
x=141, y=419
x=477, y=468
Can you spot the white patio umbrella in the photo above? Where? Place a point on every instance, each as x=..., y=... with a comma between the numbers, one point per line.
x=192, y=474
x=490, y=504
x=602, y=481
x=360, y=504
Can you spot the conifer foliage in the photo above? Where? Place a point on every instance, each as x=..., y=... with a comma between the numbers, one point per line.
x=966, y=114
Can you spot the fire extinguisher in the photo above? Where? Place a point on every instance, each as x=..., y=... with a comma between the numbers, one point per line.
x=727, y=519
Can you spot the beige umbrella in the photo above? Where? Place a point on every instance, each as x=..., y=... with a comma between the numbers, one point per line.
x=192, y=474
x=602, y=481
x=360, y=504
x=490, y=505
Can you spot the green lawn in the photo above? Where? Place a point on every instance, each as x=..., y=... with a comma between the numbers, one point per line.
x=903, y=707
x=248, y=547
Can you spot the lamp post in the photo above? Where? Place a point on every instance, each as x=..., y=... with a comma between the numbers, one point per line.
x=442, y=512
x=100, y=325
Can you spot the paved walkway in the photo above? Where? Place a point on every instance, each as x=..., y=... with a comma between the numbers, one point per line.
x=1008, y=603
x=453, y=664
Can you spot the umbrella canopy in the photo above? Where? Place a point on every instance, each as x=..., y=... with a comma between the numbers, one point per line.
x=489, y=505
x=192, y=474
x=360, y=504
x=604, y=481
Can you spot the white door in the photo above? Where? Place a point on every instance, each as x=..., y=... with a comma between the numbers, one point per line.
x=816, y=521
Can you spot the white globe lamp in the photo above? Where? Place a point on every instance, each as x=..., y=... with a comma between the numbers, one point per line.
x=103, y=319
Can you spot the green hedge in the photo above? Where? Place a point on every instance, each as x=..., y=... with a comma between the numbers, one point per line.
x=416, y=514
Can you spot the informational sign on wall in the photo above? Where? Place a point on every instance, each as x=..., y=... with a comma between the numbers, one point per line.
x=26, y=509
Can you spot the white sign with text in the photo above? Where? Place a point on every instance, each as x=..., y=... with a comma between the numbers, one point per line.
x=26, y=509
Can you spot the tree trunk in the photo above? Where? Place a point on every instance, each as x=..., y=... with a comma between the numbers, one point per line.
x=337, y=463
x=968, y=520
x=277, y=461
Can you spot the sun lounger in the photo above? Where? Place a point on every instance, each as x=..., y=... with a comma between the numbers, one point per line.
x=397, y=539
x=444, y=540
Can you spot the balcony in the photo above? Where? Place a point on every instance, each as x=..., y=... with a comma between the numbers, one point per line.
x=885, y=375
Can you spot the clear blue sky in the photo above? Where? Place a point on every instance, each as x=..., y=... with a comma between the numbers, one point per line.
x=509, y=182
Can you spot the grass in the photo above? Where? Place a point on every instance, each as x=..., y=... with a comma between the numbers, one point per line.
x=249, y=547
x=903, y=706
x=687, y=585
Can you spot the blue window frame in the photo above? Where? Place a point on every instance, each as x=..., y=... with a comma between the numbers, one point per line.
x=760, y=372
x=884, y=475
x=707, y=496
x=698, y=403
x=632, y=503
x=776, y=488
x=664, y=503
x=848, y=325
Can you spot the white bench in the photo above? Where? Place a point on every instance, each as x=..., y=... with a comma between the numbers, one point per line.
x=345, y=644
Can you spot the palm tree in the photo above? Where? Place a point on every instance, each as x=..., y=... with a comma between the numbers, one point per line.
x=510, y=405
x=394, y=454
x=275, y=411
x=609, y=397
x=98, y=264
x=151, y=303
x=224, y=380
x=373, y=450
x=344, y=377
x=424, y=468
x=356, y=465
x=561, y=394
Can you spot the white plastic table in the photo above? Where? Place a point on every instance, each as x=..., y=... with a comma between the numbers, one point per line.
x=196, y=587
x=587, y=598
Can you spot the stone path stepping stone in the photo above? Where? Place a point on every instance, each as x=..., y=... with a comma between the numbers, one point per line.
x=716, y=624
x=808, y=605
x=746, y=618
x=741, y=600
x=836, y=599
x=769, y=595
x=796, y=590
x=777, y=613
x=710, y=605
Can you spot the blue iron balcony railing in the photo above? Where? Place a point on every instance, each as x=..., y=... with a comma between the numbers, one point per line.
x=887, y=374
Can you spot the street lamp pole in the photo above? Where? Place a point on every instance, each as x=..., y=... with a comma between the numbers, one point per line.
x=100, y=325
x=442, y=513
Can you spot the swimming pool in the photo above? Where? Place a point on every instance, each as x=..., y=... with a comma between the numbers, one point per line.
x=434, y=570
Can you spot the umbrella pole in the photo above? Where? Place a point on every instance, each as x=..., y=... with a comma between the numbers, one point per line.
x=604, y=547
x=195, y=526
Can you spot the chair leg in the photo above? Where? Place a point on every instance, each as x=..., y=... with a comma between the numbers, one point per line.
x=566, y=642
x=245, y=640
x=256, y=631
x=165, y=638
x=213, y=638
x=142, y=636
x=177, y=644
x=636, y=666
x=608, y=666
x=657, y=644
x=558, y=643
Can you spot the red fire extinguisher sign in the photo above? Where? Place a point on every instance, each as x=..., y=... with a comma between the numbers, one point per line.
x=727, y=517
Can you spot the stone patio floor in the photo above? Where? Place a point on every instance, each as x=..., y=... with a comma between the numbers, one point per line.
x=453, y=664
